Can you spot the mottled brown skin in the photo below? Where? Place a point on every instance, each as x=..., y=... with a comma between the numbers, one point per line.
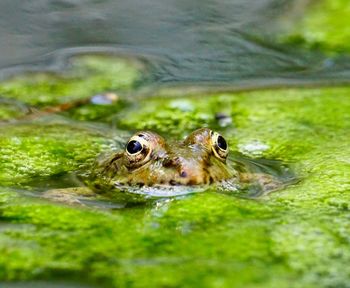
x=197, y=160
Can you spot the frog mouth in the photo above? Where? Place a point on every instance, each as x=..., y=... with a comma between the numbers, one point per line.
x=173, y=188
x=160, y=190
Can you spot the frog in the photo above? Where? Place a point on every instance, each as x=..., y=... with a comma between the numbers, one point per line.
x=150, y=160
x=149, y=164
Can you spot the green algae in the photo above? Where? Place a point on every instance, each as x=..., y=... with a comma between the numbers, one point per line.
x=50, y=146
x=174, y=117
x=85, y=76
x=45, y=148
x=325, y=26
x=296, y=237
x=93, y=112
x=288, y=116
x=10, y=110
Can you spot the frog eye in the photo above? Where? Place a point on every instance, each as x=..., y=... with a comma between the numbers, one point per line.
x=219, y=145
x=134, y=147
x=138, y=150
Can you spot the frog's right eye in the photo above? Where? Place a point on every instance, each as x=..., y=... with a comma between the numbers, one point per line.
x=134, y=147
x=219, y=145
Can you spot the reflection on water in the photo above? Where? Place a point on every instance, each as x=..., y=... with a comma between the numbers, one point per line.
x=185, y=41
x=262, y=176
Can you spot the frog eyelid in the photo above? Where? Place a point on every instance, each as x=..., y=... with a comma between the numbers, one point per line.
x=142, y=154
x=216, y=141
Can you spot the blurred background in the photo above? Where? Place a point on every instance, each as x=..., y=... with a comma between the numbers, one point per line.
x=240, y=42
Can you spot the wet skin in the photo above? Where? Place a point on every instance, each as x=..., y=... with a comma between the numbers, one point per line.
x=149, y=160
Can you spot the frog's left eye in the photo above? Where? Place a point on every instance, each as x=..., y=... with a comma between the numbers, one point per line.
x=219, y=145
x=138, y=150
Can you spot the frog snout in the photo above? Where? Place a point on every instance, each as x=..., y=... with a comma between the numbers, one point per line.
x=187, y=171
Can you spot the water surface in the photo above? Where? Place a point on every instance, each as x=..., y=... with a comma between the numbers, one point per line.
x=197, y=42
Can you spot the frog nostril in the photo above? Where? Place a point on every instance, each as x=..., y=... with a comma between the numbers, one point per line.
x=183, y=174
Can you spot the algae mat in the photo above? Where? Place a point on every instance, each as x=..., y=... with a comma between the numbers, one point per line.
x=325, y=26
x=295, y=237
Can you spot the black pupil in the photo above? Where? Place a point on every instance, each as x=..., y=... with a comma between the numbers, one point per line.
x=134, y=147
x=222, y=142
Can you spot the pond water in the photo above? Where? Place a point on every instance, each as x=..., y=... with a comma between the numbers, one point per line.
x=78, y=77
x=232, y=42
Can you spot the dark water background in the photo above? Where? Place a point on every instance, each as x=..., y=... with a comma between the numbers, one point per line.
x=199, y=41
